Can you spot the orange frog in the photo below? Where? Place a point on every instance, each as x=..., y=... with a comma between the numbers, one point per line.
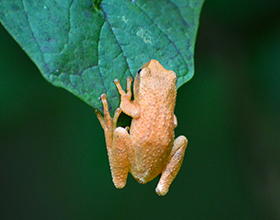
x=149, y=149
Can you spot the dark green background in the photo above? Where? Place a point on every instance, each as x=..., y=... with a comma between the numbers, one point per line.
x=53, y=160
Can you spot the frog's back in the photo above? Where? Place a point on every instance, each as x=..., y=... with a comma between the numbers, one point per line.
x=153, y=132
x=156, y=112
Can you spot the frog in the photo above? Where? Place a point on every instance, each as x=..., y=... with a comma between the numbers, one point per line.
x=148, y=147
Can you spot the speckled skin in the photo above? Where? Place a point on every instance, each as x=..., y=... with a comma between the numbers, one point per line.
x=149, y=149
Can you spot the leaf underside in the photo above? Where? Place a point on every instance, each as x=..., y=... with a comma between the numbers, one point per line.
x=83, y=47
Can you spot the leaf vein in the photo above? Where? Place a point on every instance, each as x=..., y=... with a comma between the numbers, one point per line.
x=128, y=67
x=69, y=21
x=99, y=71
x=33, y=36
x=171, y=41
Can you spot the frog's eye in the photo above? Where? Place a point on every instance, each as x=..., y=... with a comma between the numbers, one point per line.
x=139, y=71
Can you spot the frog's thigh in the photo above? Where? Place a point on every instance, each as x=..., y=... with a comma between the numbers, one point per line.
x=118, y=157
x=173, y=166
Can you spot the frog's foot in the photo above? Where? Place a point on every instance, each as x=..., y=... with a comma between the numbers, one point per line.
x=108, y=124
x=128, y=94
x=173, y=165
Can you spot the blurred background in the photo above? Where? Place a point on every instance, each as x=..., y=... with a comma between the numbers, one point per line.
x=53, y=159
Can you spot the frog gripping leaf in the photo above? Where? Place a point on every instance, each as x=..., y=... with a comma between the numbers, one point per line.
x=149, y=148
x=83, y=45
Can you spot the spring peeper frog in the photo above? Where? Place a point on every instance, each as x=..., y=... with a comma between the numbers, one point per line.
x=149, y=149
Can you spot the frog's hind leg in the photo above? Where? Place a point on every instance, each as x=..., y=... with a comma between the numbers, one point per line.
x=173, y=165
x=118, y=144
x=119, y=158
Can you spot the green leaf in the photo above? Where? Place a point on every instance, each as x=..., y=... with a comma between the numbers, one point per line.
x=83, y=45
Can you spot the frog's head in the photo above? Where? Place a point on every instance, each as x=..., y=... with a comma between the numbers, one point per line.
x=153, y=74
x=152, y=69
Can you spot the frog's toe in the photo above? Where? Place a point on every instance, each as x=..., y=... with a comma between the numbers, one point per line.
x=129, y=79
x=161, y=190
x=118, y=111
x=116, y=81
x=103, y=97
x=116, y=116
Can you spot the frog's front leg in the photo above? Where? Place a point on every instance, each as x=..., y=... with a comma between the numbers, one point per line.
x=126, y=105
x=173, y=164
